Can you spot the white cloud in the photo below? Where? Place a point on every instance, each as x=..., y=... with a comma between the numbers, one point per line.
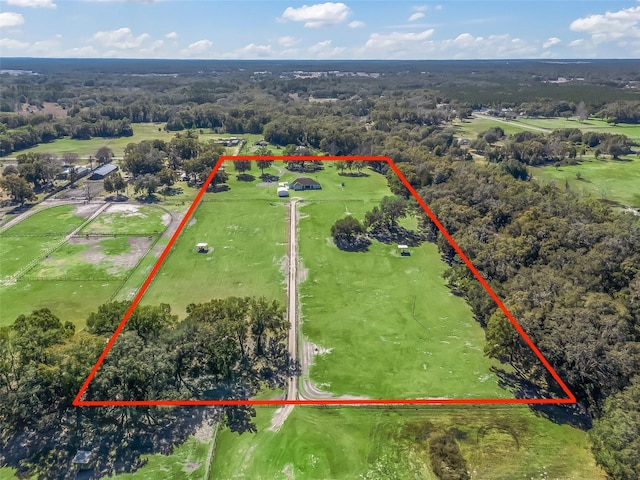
x=610, y=26
x=420, y=8
x=551, y=42
x=493, y=46
x=121, y=39
x=325, y=49
x=152, y=50
x=355, y=24
x=318, y=15
x=82, y=52
x=252, y=50
x=11, y=44
x=395, y=39
x=10, y=19
x=416, y=16
x=438, y=7
x=287, y=41
x=576, y=43
x=171, y=35
x=32, y=3
x=197, y=48
x=123, y=1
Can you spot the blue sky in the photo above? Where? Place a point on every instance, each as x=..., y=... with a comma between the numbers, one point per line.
x=356, y=29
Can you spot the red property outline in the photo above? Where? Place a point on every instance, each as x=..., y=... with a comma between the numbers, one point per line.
x=79, y=402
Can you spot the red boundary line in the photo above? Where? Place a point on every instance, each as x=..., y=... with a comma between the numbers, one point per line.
x=79, y=402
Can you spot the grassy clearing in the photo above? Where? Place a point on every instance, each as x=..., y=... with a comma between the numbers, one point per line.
x=393, y=327
x=591, y=125
x=613, y=180
x=69, y=300
x=55, y=220
x=186, y=462
x=471, y=128
x=500, y=444
x=85, y=148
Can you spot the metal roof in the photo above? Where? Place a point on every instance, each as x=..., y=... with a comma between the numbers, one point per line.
x=105, y=169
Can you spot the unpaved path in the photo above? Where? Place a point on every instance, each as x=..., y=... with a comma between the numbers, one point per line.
x=292, y=316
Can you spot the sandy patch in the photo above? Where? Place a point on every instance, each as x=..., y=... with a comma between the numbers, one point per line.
x=131, y=210
x=96, y=254
x=86, y=210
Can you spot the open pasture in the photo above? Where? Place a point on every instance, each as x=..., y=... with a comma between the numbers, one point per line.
x=72, y=276
x=387, y=324
x=346, y=443
x=612, y=180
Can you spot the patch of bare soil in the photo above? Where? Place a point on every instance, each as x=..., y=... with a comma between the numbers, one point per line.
x=204, y=431
x=95, y=254
x=288, y=472
x=86, y=210
x=301, y=272
x=191, y=466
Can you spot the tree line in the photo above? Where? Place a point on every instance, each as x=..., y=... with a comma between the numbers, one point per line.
x=223, y=349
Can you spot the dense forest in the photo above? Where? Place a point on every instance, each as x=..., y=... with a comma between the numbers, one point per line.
x=567, y=267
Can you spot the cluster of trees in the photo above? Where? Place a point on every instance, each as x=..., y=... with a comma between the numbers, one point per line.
x=224, y=349
x=567, y=268
x=380, y=223
x=531, y=148
x=153, y=163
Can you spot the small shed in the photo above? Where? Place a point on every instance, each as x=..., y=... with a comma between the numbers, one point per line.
x=103, y=171
x=283, y=192
x=304, y=183
x=202, y=247
x=404, y=250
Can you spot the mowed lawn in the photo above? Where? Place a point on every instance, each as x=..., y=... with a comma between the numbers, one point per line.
x=614, y=180
x=352, y=442
x=393, y=328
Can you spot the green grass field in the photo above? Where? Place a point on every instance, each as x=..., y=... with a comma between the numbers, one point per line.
x=246, y=233
x=186, y=462
x=470, y=128
x=393, y=327
x=347, y=443
x=614, y=180
x=76, y=276
x=84, y=148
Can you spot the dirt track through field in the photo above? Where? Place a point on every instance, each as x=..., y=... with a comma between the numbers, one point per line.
x=292, y=315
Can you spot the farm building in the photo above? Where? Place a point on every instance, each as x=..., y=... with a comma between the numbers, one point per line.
x=283, y=192
x=303, y=183
x=103, y=171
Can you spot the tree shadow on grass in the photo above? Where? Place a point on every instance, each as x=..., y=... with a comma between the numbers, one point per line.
x=358, y=244
x=267, y=177
x=563, y=414
x=398, y=235
x=245, y=177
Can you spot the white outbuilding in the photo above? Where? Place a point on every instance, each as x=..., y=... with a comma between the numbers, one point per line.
x=283, y=192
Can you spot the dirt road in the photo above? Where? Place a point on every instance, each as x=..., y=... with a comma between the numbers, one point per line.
x=292, y=315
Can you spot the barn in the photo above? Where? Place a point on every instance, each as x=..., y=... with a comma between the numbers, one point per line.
x=303, y=183
x=103, y=171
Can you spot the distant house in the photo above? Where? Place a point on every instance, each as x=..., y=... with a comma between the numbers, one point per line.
x=103, y=171
x=303, y=183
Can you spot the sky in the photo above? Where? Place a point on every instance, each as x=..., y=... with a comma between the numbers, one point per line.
x=354, y=29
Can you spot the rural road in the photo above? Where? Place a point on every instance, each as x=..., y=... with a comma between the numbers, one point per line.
x=292, y=315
